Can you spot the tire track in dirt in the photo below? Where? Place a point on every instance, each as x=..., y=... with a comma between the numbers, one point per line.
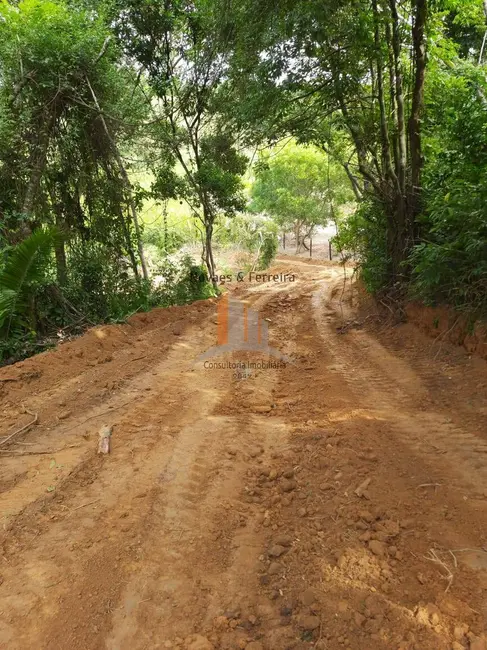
x=162, y=520
x=390, y=384
x=124, y=486
x=363, y=601
x=136, y=399
x=170, y=536
x=202, y=567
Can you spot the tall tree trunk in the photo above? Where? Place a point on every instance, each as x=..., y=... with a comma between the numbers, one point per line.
x=484, y=41
x=419, y=47
x=61, y=265
x=297, y=230
x=130, y=248
x=39, y=164
x=399, y=93
x=351, y=124
x=59, y=249
x=384, y=128
x=357, y=190
x=392, y=97
x=126, y=182
x=208, y=246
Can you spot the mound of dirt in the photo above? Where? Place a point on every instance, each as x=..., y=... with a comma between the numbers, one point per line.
x=97, y=346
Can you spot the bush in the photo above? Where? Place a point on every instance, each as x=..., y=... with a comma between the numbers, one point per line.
x=166, y=242
x=102, y=284
x=255, y=234
x=19, y=346
x=363, y=234
x=100, y=288
x=452, y=266
x=179, y=283
x=25, y=269
x=268, y=251
x=450, y=263
x=110, y=292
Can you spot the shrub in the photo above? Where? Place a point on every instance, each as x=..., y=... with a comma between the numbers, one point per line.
x=100, y=287
x=450, y=263
x=182, y=282
x=166, y=242
x=363, y=235
x=255, y=234
x=268, y=251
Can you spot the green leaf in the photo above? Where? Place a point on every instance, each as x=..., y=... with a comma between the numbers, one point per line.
x=24, y=266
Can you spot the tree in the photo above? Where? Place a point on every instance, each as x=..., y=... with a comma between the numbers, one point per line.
x=300, y=188
x=357, y=63
x=177, y=46
x=64, y=114
x=450, y=263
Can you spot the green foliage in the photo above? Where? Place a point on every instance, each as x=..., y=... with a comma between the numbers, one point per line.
x=23, y=270
x=362, y=235
x=96, y=95
x=104, y=288
x=198, y=160
x=218, y=175
x=348, y=77
x=300, y=188
x=102, y=284
x=268, y=250
x=450, y=264
x=58, y=157
x=291, y=186
x=166, y=242
x=212, y=186
x=182, y=282
x=109, y=292
x=255, y=234
x=449, y=260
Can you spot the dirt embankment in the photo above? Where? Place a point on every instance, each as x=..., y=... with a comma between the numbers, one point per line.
x=336, y=502
x=445, y=324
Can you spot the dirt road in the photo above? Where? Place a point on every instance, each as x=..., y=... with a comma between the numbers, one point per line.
x=337, y=502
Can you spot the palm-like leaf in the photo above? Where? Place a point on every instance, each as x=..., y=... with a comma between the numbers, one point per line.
x=7, y=304
x=23, y=267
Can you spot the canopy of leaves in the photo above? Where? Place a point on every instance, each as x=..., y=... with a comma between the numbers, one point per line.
x=298, y=185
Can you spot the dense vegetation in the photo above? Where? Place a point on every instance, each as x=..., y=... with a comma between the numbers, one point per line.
x=301, y=189
x=394, y=91
x=133, y=131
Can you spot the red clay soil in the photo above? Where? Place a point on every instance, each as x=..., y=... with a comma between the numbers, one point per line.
x=338, y=501
x=445, y=324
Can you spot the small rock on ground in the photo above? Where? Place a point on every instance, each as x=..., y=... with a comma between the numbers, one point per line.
x=199, y=643
x=377, y=548
x=310, y=623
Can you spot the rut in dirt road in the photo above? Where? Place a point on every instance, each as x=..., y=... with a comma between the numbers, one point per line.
x=338, y=501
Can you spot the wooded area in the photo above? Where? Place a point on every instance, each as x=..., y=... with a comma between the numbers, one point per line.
x=243, y=324
x=259, y=117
